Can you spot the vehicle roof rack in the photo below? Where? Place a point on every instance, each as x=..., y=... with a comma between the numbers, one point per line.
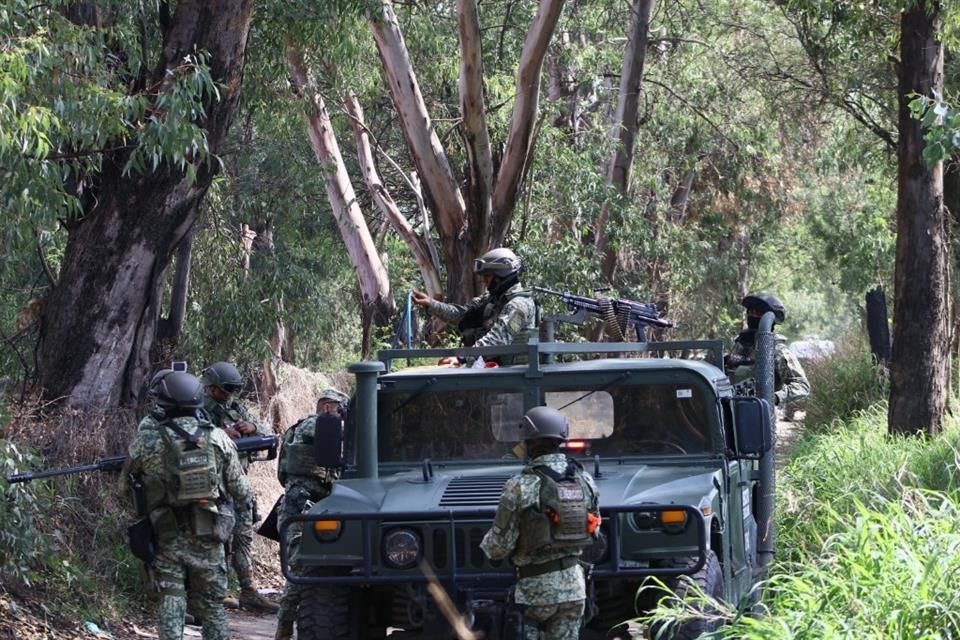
x=538, y=353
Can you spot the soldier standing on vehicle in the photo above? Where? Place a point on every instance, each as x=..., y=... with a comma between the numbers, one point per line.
x=790, y=381
x=505, y=314
x=304, y=483
x=223, y=382
x=187, y=469
x=547, y=515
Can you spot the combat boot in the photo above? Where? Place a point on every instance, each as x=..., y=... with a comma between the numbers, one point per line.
x=284, y=630
x=230, y=602
x=251, y=599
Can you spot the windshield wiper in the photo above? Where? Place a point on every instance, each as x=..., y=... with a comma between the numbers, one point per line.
x=416, y=394
x=622, y=376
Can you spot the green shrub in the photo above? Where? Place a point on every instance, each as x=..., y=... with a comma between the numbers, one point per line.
x=844, y=384
x=23, y=550
x=869, y=527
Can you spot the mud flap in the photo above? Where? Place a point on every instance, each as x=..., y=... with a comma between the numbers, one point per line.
x=269, y=527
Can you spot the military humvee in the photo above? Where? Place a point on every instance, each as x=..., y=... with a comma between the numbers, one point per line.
x=685, y=471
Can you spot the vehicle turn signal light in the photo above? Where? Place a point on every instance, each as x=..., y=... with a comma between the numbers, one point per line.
x=673, y=517
x=326, y=526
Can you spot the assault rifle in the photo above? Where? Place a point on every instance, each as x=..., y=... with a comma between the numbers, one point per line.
x=248, y=445
x=618, y=314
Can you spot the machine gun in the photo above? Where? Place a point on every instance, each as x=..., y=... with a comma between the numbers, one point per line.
x=249, y=445
x=618, y=314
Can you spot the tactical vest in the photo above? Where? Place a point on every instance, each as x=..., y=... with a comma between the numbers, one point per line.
x=190, y=486
x=559, y=521
x=298, y=458
x=476, y=323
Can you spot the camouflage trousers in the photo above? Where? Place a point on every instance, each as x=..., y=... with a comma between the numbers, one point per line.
x=555, y=621
x=241, y=546
x=200, y=561
x=298, y=498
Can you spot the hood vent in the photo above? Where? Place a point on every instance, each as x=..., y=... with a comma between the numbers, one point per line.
x=474, y=491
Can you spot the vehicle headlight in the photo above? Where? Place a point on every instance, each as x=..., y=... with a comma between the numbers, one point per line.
x=401, y=548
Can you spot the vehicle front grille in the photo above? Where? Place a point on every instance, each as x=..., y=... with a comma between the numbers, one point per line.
x=481, y=491
x=468, y=553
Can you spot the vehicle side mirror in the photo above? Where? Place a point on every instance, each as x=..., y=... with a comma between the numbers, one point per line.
x=752, y=419
x=328, y=441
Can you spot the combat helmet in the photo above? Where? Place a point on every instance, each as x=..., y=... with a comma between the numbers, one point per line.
x=178, y=390
x=544, y=422
x=330, y=394
x=223, y=375
x=501, y=262
x=765, y=302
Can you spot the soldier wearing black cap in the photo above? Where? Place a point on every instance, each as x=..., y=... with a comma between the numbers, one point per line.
x=790, y=381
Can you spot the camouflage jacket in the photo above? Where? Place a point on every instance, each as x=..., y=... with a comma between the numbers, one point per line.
x=224, y=414
x=145, y=457
x=523, y=492
x=507, y=319
x=152, y=420
x=790, y=381
x=301, y=434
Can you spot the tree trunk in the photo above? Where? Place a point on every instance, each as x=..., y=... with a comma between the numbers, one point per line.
x=429, y=271
x=525, y=104
x=100, y=321
x=371, y=274
x=171, y=326
x=624, y=132
x=878, y=329
x=920, y=364
x=441, y=191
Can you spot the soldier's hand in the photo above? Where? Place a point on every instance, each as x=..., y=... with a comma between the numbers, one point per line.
x=453, y=361
x=232, y=432
x=421, y=299
x=244, y=427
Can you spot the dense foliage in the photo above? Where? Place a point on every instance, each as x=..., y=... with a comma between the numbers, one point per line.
x=782, y=182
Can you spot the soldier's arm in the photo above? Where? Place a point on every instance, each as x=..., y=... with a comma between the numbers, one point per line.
x=512, y=321
x=452, y=313
x=795, y=384
x=234, y=479
x=261, y=430
x=500, y=541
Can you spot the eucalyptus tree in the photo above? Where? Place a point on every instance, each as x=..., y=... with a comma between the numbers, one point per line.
x=911, y=34
x=114, y=113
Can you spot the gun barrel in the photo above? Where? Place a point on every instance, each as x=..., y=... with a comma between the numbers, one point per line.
x=50, y=473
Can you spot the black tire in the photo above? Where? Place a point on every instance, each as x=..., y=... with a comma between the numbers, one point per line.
x=336, y=613
x=710, y=581
x=325, y=614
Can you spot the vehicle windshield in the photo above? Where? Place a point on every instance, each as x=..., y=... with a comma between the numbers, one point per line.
x=622, y=419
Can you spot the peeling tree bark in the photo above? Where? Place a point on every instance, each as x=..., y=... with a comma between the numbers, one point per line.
x=421, y=253
x=920, y=359
x=100, y=321
x=440, y=186
x=624, y=131
x=524, y=115
x=171, y=326
x=371, y=274
x=475, y=134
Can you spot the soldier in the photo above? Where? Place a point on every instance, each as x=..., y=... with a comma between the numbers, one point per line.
x=223, y=382
x=546, y=516
x=304, y=483
x=505, y=314
x=790, y=382
x=188, y=468
x=155, y=413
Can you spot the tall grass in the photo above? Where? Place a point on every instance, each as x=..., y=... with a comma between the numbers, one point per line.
x=847, y=382
x=869, y=539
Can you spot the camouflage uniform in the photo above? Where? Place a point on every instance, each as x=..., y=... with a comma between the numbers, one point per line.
x=152, y=420
x=303, y=486
x=184, y=552
x=224, y=415
x=507, y=319
x=554, y=601
x=790, y=381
